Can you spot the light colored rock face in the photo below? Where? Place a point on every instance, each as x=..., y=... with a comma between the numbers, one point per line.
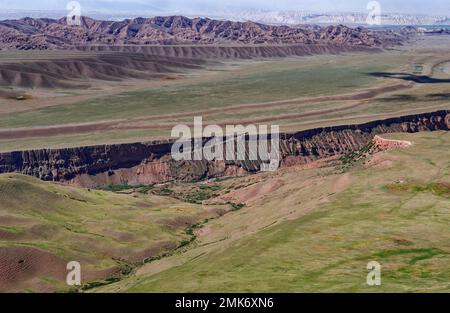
x=29, y=33
x=149, y=163
x=386, y=144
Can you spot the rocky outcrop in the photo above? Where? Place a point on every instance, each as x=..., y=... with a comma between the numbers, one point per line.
x=386, y=144
x=29, y=33
x=147, y=163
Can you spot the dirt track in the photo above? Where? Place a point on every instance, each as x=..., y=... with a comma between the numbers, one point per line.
x=127, y=124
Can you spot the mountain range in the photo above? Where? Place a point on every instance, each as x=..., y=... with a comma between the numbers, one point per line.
x=44, y=33
x=275, y=17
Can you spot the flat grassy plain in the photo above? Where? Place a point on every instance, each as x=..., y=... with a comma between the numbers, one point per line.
x=317, y=229
x=251, y=91
x=268, y=81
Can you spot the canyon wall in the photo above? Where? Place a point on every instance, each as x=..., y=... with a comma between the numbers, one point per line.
x=151, y=162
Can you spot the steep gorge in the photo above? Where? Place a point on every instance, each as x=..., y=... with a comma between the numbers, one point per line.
x=151, y=162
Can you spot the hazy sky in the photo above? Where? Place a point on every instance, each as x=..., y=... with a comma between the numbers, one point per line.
x=437, y=7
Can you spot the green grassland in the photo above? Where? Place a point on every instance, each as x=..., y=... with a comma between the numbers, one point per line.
x=395, y=212
x=100, y=229
x=315, y=232
x=269, y=81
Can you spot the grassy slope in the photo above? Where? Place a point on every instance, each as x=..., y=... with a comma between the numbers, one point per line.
x=90, y=226
x=390, y=213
